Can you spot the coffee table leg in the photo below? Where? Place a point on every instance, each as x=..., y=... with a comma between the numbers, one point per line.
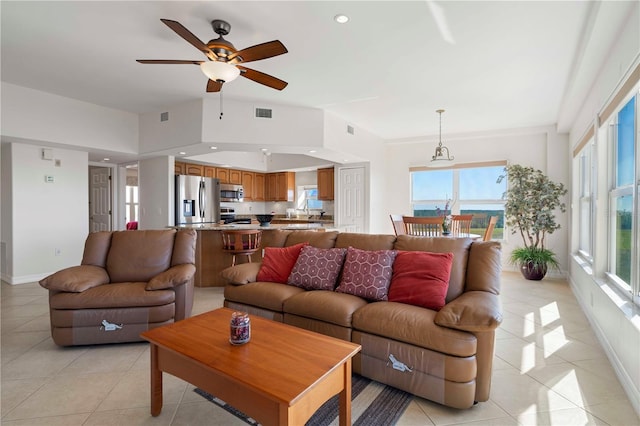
x=156, y=383
x=345, y=396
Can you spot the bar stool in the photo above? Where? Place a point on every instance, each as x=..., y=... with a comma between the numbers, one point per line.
x=241, y=242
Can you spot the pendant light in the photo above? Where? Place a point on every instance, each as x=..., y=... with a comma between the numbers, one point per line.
x=442, y=152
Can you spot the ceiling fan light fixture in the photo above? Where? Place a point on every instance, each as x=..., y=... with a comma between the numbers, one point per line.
x=220, y=71
x=341, y=19
x=442, y=152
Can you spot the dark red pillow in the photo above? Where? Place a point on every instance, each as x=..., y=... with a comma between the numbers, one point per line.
x=278, y=262
x=421, y=278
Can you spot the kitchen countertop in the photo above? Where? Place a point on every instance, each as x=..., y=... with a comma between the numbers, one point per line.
x=293, y=226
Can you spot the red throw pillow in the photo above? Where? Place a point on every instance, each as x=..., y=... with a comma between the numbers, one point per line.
x=367, y=273
x=421, y=278
x=278, y=262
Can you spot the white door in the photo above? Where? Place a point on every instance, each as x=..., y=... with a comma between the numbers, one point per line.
x=99, y=199
x=351, y=203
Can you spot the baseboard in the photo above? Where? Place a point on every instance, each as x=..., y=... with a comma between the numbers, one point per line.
x=25, y=279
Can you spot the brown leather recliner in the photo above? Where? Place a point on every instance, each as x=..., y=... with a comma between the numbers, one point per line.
x=128, y=282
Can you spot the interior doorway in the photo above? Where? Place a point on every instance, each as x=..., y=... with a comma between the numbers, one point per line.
x=351, y=216
x=100, y=194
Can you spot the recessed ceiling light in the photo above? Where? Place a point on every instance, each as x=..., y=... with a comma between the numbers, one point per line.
x=264, y=149
x=182, y=153
x=106, y=159
x=341, y=19
x=214, y=147
x=313, y=151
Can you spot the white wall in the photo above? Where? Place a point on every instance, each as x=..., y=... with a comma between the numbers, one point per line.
x=183, y=128
x=157, y=186
x=44, y=216
x=290, y=126
x=39, y=117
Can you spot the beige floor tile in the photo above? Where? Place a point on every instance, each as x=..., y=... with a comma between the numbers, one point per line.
x=16, y=391
x=16, y=344
x=25, y=311
x=524, y=355
x=414, y=415
x=70, y=420
x=617, y=412
x=441, y=415
x=502, y=421
x=133, y=391
x=569, y=416
x=519, y=394
x=65, y=395
x=41, y=323
x=43, y=360
x=578, y=385
x=132, y=416
x=110, y=358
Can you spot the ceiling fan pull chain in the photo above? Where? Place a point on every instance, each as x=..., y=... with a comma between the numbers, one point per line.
x=221, y=113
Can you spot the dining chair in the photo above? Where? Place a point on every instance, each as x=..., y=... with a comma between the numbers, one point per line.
x=461, y=224
x=398, y=224
x=423, y=226
x=489, y=231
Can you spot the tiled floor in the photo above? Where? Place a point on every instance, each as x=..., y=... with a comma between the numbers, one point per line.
x=548, y=369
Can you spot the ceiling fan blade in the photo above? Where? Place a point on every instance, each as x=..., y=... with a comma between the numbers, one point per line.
x=213, y=86
x=188, y=36
x=167, y=61
x=259, y=51
x=262, y=78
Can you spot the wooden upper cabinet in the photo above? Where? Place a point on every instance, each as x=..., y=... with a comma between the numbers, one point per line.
x=194, y=169
x=180, y=168
x=209, y=171
x=259, y=187
x=280, y=186
x=325, y=184
x=222, y=174
x=248, y=184
x=235, y=177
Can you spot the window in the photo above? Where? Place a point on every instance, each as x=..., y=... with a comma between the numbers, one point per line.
x=586, y=186
x=623, y=218
x=472, y=189
x=308, y=198
x=131, y=204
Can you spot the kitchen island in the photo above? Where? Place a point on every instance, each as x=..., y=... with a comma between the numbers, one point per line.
x=211, y=259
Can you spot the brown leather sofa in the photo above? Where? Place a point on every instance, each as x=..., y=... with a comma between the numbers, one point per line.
x=445, y=356
x=128, y=282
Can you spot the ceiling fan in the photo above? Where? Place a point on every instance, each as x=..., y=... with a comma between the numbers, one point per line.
x=223, y=64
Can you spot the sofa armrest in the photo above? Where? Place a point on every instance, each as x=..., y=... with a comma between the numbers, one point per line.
x=76, y=279
x=173, y=277
x=243, y=273
x=472, y=311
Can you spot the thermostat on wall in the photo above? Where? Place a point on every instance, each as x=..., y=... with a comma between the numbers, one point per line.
x=48, y=178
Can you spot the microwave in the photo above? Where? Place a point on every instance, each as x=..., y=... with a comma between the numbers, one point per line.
x=231, y=193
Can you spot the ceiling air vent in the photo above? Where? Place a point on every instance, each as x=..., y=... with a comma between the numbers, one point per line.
x=164, y=116
x=351, y=130
x=264, y=113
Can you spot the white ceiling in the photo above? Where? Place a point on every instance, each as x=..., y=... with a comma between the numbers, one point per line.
x=509, y=64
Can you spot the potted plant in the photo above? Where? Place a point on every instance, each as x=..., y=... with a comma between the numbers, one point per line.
x=531, y=200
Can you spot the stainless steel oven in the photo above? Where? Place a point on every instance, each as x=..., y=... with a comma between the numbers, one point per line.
x=231, y=193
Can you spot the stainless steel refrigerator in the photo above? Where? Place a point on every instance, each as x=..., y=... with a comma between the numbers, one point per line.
x=197, y=200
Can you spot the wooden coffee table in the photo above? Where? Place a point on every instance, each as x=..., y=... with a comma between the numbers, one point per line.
x=281, y=377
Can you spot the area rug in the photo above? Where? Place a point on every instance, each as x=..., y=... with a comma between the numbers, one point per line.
x=372, y=404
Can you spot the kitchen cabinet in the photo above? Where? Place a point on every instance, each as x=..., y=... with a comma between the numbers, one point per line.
x=259, y=187
x=235, y=177
x=209, y=172
x=325, y=184
x=280, y=186
x=193, y=169
x=180, y=168
x=222, y=174
x=248, y=184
